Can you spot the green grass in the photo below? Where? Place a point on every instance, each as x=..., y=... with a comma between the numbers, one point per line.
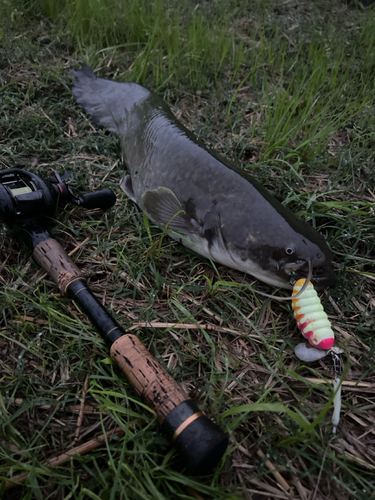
x=285, y=90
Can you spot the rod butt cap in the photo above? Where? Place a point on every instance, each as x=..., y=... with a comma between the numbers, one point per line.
x=199, y=441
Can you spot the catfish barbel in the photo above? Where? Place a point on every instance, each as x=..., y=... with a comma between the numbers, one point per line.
x=205, y=202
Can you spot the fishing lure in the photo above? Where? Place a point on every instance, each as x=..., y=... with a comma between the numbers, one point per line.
x=311, y=318
x=316, y=328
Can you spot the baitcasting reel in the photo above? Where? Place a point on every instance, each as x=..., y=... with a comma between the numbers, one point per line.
x=24, y=196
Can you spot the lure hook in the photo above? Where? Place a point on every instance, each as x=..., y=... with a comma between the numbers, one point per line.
x=292, y=278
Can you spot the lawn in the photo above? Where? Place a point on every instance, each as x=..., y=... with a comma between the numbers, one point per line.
x=286, y=91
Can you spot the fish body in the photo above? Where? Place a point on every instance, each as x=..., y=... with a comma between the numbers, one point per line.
x=208, y=204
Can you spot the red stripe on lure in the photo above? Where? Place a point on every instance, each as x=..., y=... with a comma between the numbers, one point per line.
x=311, y=318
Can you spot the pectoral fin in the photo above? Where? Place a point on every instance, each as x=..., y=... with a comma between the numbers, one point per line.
x=163, y=207
x=127, y=186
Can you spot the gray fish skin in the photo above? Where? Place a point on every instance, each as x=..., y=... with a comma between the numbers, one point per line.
x=222, y=212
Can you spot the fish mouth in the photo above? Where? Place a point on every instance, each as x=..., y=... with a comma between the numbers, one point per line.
x=322, y=274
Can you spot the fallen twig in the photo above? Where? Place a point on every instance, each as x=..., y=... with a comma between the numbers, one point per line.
x=347, y=383
x=65, y=457
x=279, y=478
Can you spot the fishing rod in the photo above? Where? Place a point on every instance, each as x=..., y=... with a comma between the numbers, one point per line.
x=27, y=203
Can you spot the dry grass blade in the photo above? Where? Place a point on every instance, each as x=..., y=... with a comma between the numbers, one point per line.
x=90, y=445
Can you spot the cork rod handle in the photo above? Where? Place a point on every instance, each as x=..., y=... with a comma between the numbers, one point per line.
x=51, y=256
x=200, y=442
x=147, y=376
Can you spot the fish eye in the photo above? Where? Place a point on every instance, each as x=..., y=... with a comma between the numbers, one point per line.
x=289, y=250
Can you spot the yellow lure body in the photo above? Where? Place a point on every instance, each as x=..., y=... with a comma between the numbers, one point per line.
x=311, y=317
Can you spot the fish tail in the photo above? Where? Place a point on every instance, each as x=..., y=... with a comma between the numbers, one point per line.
x=100, y=98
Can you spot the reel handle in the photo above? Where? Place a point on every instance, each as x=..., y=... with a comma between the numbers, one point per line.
x=105, y=199
x=200, y=442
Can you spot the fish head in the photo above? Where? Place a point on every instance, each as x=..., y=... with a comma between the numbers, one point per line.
x=294, y=260
x=275, y=247
x=287, y=247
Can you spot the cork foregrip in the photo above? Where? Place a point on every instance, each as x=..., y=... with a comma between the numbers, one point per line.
x=51, y=256
x=149, y=378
